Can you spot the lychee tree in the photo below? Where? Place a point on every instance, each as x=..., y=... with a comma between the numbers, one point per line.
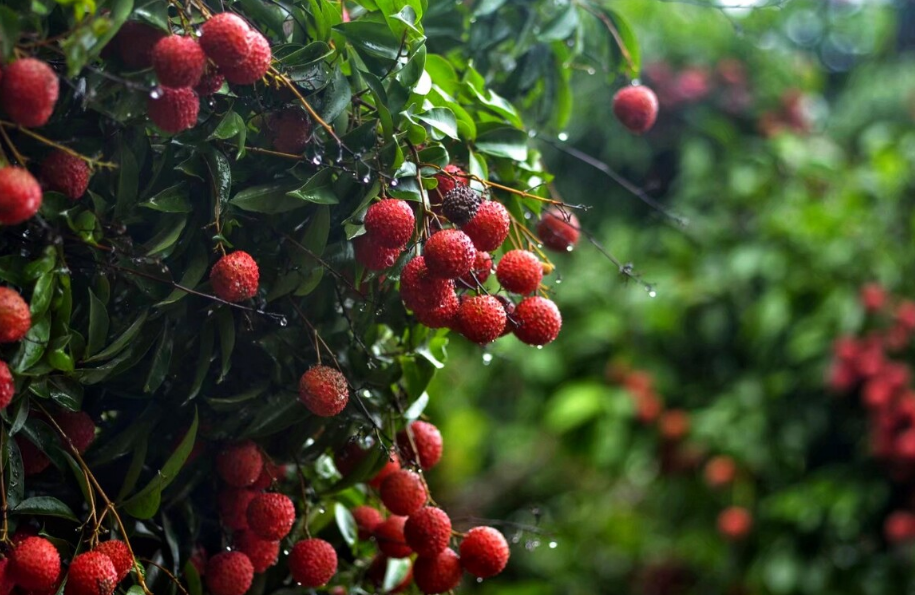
x=235, y=239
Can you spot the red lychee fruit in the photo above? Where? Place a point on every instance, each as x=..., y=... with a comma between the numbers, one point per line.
x=7, y=387
x=390, y=538
x=520, y=271
x=6, y=581
x=254, y=66
x=537, y=321
x=373, y=256
x=403, y=492
x=674, y=425
x=235, y=277
x=489, y=228
x=367, y=520
x=636, y=107
x=229, y=573
x=324, y=391
x=64, y=173
x=720, y=471
x=119, y=555
x=450, y=177
x=270, y=473
x=28, y=92
x=20, y=196
x=735, y=523
x=558, y=229
x=78, y=427
x=35, y=564
x=377, y=571
x=877, y=393
x=240, y=464
x=509, y=307
x=173, y=110
x=15, y=318
x=873, y=297
x=439, y=574
x=91, y=573
x=178, y=61
x=449, y=254
x=428, y=531
x=199, y=560
x=34, y=461
x=442, y=316
x=312, y=562
x=134, y=44
x=271, y=516
x=289, y=131
x=225, y=39
x=420, y=289
x=484, y=552
x=392, y=466
x=428, y=441
x=210, y=83
x=390, y=222
x=648, y=407
x=461, y=204
x=482, y=318
x=479, y=273
x=904, y=445
x=899, y=527
x=905, y=314
x=262, y=553
x=233, y=507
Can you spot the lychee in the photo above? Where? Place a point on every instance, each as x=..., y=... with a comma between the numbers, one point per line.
x=225, y=39
x=735, y=523
x=235, y=277
x=484, y=552
x=262, y=553
x=233, y=507
x=720, y=471
x=135, y=42
x=229, y=573
x=428, y=531
x=312, y=562
x=449, y=254
x=438, y=574
x=199, y=560
x=442, y=316
x=35, y=564
x=479, y=273
x=324, y=391
x=65, y=173
x=873, y=297
x=6, y=581
x=78, y=427
x=636, y=107
x=374, y=256
x=173, y=110
x=34, y=461
x=28, y=92
x=210, y=83
x=240, y=464
x=289, y=130
x=269, y=474
x=674, y=425
x=91, y=573
x=7, y=387
x=392, y=466
x=254, y=66
x=460, y=204
x=558, y=229
x=482, y=319
x=120, y=557
x=390, y=222
x=403, y=492
x=449, y=178
x=537, y=321
x=20, y=197
x=178, y=61
x=15, y=318
x=390, y=537
x=428, y=441
x=367, y=520
x=270, y=516
x=899, y=527
x=520, y=271
x=489, y=228
x=420, y=289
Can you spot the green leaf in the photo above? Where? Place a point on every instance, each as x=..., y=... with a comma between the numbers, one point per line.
x=269, y=199
x=506, y=142
x=395, y=573
x=45, y=506
x=630, y=58
x=373, y=39
x=575, y=404
x=121, y=342
x=440, y=119
x=13, y=470
x=98, y=325
x=194, y=584
x=193, y=274
x=226, y=321
x=174, y=199
x=337, y=95
x=318, y=189
x=128, y=181
x=162, y=357
x=136, y=467
x=42, y=294
x=9, y=31
x=168, y=231
x=346, y=523
x=33, y=345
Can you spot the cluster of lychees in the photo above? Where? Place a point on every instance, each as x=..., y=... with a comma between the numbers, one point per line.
x=866, y=366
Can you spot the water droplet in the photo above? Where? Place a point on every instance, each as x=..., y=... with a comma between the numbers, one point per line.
x=532, y=133
x=394, y=183
x=553, y=545
x=479, y=581
x=563, y=136
x=487, y=359
x=366, y=393
x=283, y=322
x=540, y=347
x=366, y=179
x=155, y=93
x=316, y=160
x=558, y=281
x=322, y=510
x=569, y=248
x=591, y=71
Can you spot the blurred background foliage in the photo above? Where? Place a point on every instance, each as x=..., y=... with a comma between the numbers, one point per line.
x=782, y=164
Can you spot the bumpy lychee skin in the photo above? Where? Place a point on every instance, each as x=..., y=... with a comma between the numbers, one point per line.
x=134, y=44
x=390, y=222
x=428, y=441
x=235, y=277
x=233, y=507
x=178, y=61
x=449, y=254
x=35, y=564
x=367, y=520
x=482, y=319
x=324, y=391
x=225, y=39
x=20, y=196
x=28, y=92
x=289, y=131
x=91, y=573
x=489, y=228
x=451, y=177
x=460, y=204
x=420, y=289
x=537, y=321
x=270, y=516
x=64, y=173
x=392, y=466
x=403, y=492
x=479, y=273
x=520, y=271
x=263, y=553
x=6, y=582
x=312, y=562
x=173, y=110
x=7, y=388
x=636, y=107
x=210, y=83
x=438, y=574
x=240, y=464
x=390, y=537
x=270, y=473
x=119, y=555
x=372, y=255
x=484, y=552
x=78, y=427
x=15, y=318
x=558, y=229
x=229, y=573
x=254, y=66
x=428, y=531
x=442, y=316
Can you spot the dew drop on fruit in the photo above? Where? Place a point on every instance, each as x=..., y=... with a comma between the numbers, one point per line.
x=569, y=248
